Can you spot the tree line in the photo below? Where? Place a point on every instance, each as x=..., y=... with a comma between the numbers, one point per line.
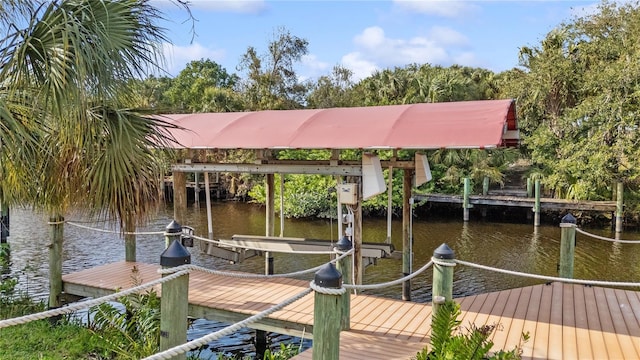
x=576, y=95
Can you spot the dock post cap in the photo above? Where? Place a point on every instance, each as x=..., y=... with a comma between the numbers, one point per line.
x=344, y=244
x=444, y=252
x=173, y=228
x=175, y=255
x=328, y=277
x=568, y=219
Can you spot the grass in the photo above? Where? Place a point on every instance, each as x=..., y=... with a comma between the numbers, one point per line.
x=41, y=340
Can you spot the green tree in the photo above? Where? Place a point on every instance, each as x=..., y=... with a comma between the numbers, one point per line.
x=333, y=90
x=271, y=81
x=578, y=102
x=204, y=86
x=65, y=68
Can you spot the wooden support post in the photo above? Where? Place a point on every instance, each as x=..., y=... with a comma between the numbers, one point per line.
x=536, y=206
x=179, y=196
x=129, y=237
x=207, y=195
x=619, y=206
x=55, y=260
x=529, y=187
x=465, y=203
x=270, y=219
x=196, y=190
x=442, y=289
x=567, y=246
x=389, y=204
x=406, y=230
x=327, y=312
x=174, y=304
x=358, y=265
x=344, y=266
x=281, y=205
x=485, y=186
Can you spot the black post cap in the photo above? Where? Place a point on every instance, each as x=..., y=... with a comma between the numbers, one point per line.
x=444, y=252
x=173, y=227
x=328, y=277
x=568, y=219
x=175, y=255
x=344, y=244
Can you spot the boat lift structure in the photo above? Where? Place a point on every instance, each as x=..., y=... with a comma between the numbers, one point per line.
x=452, y=125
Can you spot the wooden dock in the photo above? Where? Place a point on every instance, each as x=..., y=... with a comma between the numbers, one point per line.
x=517, y=201
x=564, y=321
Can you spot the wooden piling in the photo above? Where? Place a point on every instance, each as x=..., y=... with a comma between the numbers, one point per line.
x=485, y=185
x=406, y=233
x=567, y=246
x=465, y=204
x=179, y=196
x=619, y=206
x=442, y=289
x=327, y=314
x=536, y=206
x=55, y=260
x=174, y=303
x=344, y=266
x=529, y=187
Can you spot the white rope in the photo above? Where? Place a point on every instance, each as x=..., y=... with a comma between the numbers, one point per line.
x=194, y=344
x=606, y=238
x=257, y=248
x=550, y=278
x=325, y=290
x=189, y=267
x=113, y=231
x=390, y=283
x=86, y=304
x=442, y=262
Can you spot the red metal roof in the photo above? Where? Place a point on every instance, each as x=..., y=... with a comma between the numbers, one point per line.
x=467, y=124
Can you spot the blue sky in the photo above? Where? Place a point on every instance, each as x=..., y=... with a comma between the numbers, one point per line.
x=365, y=36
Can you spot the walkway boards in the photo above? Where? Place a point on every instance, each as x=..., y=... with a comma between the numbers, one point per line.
x=564, y=321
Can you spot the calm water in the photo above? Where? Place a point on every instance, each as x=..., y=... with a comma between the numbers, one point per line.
x=504, y=245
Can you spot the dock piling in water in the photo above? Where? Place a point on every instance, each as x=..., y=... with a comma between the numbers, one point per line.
x=442, y=289
x=567, y=246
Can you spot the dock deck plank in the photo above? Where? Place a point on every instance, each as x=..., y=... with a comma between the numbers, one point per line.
x=563, y=321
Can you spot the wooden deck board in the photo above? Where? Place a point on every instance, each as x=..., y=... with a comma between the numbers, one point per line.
x=564, y=321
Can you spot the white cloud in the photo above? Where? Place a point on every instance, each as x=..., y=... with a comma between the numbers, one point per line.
x=237, y=6
x=361, y=68
x=311, y=67
x=178, y=56
x=443, y=8
x=375, y=50
x=448, y=36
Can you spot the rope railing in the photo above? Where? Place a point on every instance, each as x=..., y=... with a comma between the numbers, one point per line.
x=606, y=238
x=390, y=283
x=540, y=277
x=191, y=267
x=194, y=344
x=113, y=231
x=87, y=304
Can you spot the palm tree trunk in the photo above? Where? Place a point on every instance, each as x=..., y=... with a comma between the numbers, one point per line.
x=55, y=260
x=129, y=239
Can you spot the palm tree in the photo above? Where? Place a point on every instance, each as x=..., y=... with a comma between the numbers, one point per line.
x=64, y=65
